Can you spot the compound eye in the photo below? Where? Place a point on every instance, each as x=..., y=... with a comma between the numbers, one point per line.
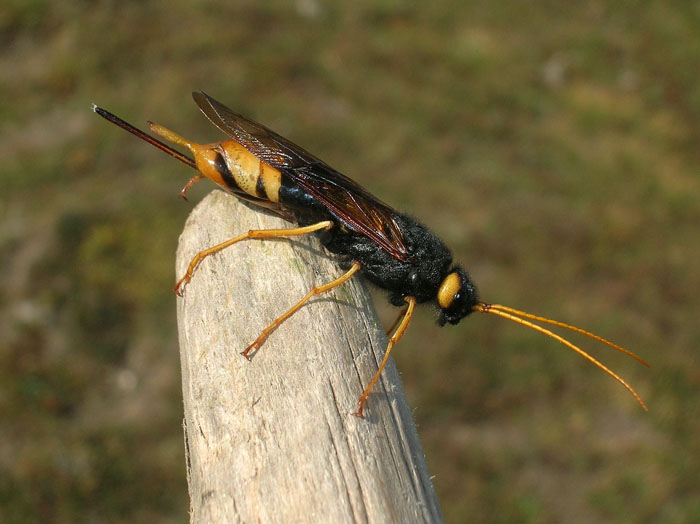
x=450, y=289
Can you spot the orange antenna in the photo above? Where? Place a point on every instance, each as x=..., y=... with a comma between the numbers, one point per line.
x=515, y=315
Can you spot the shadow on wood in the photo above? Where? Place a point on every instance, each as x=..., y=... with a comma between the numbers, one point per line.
x=273, y=439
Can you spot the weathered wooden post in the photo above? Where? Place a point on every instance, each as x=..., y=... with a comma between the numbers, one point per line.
x=274, y=439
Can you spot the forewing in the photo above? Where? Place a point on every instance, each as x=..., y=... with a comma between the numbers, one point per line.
x=355, y=206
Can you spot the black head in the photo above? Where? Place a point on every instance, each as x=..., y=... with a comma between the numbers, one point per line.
x=456, y=297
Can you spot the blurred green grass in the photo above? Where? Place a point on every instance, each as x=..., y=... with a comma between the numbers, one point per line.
x=553, y=146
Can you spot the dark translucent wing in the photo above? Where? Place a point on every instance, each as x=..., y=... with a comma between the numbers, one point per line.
x=355, y=206
x=359, y=210
x=265, y=144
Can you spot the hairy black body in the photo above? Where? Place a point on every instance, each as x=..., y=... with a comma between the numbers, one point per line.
x=429, y=260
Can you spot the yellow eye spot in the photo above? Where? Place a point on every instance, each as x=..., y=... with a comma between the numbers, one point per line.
x=451, y=285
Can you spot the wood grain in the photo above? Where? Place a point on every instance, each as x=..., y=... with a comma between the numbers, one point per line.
x=274, y=439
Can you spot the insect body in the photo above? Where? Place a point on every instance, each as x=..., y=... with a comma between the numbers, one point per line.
x=391, y=249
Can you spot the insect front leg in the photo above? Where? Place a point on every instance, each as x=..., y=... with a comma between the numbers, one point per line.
x=389, y=331
x=405, y=321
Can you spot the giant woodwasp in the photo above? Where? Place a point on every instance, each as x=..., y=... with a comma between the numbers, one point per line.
x=391, y=249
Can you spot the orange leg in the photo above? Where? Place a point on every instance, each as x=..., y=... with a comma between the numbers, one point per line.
x=261, y=234
x=393, y=340
x=315, y=291
x=192, y=181
x=396, y=322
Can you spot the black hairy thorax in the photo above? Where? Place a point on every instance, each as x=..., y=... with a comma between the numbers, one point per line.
x=419, y=276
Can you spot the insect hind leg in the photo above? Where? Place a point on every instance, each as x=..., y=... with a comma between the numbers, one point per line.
x=260, y=234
